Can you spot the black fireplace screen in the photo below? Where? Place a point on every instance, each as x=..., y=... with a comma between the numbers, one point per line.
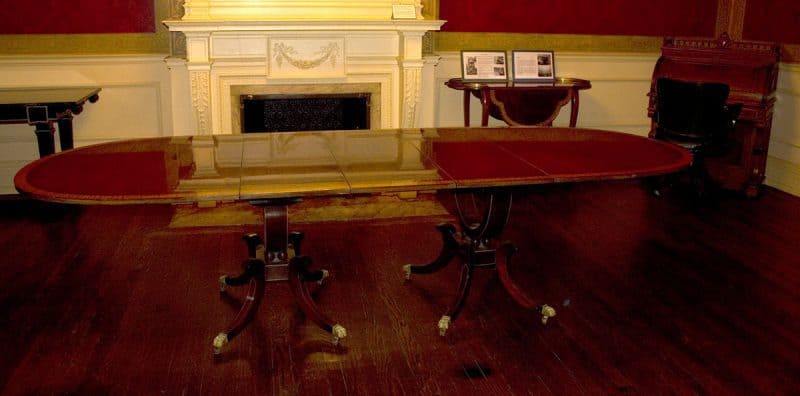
x=317, y=112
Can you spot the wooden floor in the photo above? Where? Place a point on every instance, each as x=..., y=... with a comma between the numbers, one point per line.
x=654, y=296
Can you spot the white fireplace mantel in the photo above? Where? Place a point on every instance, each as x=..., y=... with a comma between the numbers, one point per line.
x=230, y=51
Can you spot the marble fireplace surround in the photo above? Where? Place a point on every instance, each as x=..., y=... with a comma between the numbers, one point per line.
x=240, y=47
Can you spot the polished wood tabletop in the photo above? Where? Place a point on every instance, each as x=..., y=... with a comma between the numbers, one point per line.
x=302, y=164
x=557, y=83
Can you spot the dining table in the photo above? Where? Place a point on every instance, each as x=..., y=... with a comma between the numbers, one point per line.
x=275, y=170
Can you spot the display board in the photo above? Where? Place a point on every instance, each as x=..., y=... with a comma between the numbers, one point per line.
x=77, y=16
x=609, y=17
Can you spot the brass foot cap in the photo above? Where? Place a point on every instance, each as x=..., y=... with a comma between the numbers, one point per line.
x=222, y=283
x=407, y=271
x=444, y=324
x=338, y=332
x=547, y=313
x=219, y=342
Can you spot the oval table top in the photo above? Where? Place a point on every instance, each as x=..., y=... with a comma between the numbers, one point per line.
x=303, y=164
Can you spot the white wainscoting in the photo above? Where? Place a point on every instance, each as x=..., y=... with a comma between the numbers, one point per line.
x=138, y=99
x=135, y=101
x=783, y=163
x=618, y=101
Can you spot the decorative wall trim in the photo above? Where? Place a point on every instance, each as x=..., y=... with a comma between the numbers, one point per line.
x=452, y=41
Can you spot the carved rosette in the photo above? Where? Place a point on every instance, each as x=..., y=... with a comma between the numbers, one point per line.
x=200, y=94
x=412, y=88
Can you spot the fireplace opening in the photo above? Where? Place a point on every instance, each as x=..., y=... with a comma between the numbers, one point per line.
x=307, y=112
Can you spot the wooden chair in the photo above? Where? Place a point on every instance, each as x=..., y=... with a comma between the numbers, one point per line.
x=694, y=116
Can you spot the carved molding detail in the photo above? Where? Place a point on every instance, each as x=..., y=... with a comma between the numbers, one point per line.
x=412, y=88
x=288, y=53
x=200, y=99
x=177, y=40
x=176, y=9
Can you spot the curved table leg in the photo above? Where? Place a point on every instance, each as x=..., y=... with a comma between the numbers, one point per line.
x=449, y=250
x=575, y=102
x=502, y=258
x=463, y=292
x=298, y=276
x=476, y=250
x=254, y=274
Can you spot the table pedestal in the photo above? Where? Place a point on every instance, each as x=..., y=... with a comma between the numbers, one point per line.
x=477, y=247
x=276, y=257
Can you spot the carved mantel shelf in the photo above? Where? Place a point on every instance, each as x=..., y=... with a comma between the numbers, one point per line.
x=200, y=26
x=292, y=9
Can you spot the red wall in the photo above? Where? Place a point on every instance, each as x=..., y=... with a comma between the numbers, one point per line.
x=76, y=16
x=772, y=20
x=615, y=17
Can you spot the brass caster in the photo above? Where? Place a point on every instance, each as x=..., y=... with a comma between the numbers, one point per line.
x=219, y=342
x=547, y=312
x=338, y=333
x=444, y=324
x=222, y=283
x=325, y=274
x=407, y=271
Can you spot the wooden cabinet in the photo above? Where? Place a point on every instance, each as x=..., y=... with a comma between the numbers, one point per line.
x=750, y=68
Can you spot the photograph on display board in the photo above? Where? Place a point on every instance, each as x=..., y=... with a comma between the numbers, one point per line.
x=536, y=66
x=483, y=66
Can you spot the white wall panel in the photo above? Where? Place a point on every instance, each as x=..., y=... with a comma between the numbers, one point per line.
x=138, y=99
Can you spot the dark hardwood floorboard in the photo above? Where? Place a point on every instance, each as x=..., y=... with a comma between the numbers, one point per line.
x=655, y=295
